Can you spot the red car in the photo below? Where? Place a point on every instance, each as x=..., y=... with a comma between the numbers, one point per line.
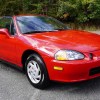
x=47, y=50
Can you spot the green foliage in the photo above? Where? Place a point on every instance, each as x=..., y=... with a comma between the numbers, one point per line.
x=78, y=10
x=10, y=7
x=88, y=9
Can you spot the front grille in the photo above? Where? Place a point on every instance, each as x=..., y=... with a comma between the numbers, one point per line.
x=94, y=71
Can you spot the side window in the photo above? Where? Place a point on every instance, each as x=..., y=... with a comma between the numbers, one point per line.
x=7, y=23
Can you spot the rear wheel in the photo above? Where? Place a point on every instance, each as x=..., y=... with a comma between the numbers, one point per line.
x=36, y=71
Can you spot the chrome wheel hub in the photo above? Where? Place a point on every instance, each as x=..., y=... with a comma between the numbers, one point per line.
x=33, y=71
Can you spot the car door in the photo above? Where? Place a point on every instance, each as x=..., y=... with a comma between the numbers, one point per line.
x=8, y=44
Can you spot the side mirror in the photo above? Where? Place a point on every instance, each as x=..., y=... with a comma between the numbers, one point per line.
x=4, y=31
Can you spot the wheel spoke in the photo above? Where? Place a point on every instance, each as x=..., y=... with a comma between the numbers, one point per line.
x=34, y=72
x=30, y=64
x=38, y=77
x=36, y=67
x=29, y=70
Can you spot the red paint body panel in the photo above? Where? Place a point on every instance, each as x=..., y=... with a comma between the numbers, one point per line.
x=47, y=44
x=73, y=71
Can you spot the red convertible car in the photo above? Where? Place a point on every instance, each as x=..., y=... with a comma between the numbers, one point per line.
x=47, y=50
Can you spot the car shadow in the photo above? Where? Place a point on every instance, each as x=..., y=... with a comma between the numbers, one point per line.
x=7, y=66
x=92, y=85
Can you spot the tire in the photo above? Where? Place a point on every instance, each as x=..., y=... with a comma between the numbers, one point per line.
x=36, y=72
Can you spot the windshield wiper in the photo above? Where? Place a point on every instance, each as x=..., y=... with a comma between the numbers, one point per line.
x=33, y=32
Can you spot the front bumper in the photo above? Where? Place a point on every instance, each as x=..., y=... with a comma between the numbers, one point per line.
x=73, y=71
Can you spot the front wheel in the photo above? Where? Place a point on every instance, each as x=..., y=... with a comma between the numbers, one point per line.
x=36, y=71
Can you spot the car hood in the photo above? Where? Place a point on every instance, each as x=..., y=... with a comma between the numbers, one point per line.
x=70, y=39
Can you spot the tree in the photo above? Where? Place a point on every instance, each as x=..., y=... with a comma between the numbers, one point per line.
x=80, y=10
x=75, y=10
x=10, y=7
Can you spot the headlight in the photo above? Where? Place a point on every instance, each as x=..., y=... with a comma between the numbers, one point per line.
x=68, y=55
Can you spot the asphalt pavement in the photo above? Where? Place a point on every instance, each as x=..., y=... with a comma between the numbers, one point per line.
x=15, y=86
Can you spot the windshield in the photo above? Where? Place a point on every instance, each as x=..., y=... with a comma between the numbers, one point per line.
x=33, y=24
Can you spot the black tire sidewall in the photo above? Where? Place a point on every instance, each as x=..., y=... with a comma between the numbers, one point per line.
x=44, y=75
